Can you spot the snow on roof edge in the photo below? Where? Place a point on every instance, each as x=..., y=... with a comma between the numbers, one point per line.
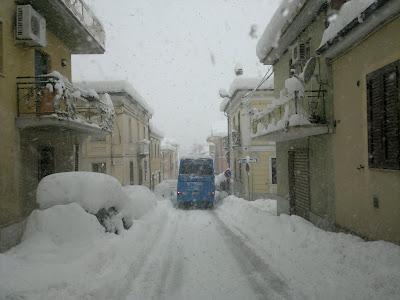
x=116, y=86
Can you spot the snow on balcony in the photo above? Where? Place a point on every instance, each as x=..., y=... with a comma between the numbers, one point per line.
x=51, y=100
x=297, y=113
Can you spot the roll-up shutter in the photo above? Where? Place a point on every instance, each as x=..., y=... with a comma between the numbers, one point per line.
x=299, y=182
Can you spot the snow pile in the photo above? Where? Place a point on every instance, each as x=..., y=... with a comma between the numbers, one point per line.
x=116, y=86
x=166, y=189
x=62, y=224
x=142, y=200
x=97, y=193
x=65, y=254
x=283, y=16
x=92, y=191
x=220, y=178
x=316, y=263
x=349, y=11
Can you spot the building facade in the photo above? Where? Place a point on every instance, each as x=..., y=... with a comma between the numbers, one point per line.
x=170, y=159
x=365, y=63
x=44, y=118
x=124, y=153
x=250, y=159
x=217, y=152
x=300, y=119
x=155, y=157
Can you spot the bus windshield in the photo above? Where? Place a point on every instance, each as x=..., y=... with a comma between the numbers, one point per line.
x=199, y=167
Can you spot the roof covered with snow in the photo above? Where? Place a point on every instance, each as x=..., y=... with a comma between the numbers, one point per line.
x=116, y=86
x=167, y=144
x=282, y=17
x=355, y=20
x=154, y=131
x=288, y=21
x=249, y=83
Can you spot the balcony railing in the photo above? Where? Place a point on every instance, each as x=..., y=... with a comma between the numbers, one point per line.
x=85, y=34
x=306, y=111
x=85, y=15
x=43, y=99
x=236, y=139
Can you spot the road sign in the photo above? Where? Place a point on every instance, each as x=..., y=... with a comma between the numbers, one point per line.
x=248, y=160
x=228, y=173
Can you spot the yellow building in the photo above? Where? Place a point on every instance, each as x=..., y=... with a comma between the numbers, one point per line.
x=300, y=119
x=155, y=157
x=252, y=161
x=44, y=118
x=125, y=153
x=365, y=63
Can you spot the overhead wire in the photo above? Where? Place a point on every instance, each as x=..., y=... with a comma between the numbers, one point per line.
x=267, y=75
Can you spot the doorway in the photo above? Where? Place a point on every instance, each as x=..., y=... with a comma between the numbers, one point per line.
x=46, y=162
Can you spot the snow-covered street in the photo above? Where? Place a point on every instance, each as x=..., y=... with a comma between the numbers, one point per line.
x=239, y=250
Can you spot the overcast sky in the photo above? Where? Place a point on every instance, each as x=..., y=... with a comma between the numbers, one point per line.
x=177, y=54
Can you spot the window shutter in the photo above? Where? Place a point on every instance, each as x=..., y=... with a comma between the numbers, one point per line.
x=375, y=120
x=384, y=117
x=391, y=125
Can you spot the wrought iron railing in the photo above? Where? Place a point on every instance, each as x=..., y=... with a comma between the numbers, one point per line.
x=236, y=142
x=85, y=15
x=47, y=95
x=311, y=108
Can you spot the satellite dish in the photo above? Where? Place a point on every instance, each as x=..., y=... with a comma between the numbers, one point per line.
x=309, y=68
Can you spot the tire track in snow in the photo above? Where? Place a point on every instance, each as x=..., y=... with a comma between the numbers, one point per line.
x=140, y=261
x=263, y=280
x=150, y=282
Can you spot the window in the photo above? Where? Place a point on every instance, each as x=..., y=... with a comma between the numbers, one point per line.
x=273, y=170
x=384, y=117
x=76, y=153
x=131, y=177
x=99, y=167
x=1, y=49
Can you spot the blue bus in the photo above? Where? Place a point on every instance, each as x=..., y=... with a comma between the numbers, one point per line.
x=196, y=186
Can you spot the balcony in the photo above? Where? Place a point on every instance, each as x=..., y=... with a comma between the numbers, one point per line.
x=52, y=101
x=236, y=139
x=290, y=118
x=144, y=147
x=73, y=22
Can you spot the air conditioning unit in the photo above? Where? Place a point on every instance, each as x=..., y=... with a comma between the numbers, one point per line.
x=30, y=27
x=298, y=53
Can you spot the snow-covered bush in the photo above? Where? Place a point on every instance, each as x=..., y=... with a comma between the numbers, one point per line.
x=99, y=194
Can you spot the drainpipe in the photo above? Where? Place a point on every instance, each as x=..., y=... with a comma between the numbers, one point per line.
x=149, y=131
